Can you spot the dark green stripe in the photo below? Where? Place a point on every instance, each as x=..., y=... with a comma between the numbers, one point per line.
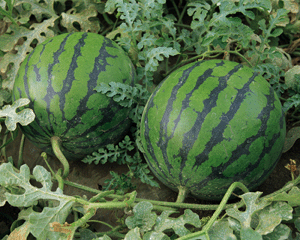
x=243, y=149
x=164, y=122
x=191, y=136
x=178, y=169
x=83, y=119
x=100, y=64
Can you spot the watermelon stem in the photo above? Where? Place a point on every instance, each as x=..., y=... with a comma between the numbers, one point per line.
x=20, y=158
x=182, y=193
x=55, y=142
x=218, y=211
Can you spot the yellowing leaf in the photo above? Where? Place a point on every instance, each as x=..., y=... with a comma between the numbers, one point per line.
x=38, y=32
x=20, y=233
x=82, y=19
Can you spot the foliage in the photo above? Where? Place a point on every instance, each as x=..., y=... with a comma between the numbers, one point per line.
x=127, y=96
x=20, y=38
x=23, y=117
x=44, y=212
x=50, y=221
x=159, y=36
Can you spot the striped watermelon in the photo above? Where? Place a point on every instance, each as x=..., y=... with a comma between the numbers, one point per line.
x=59, y=77
x=209, y=124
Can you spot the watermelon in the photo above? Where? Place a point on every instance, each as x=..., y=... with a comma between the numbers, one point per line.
x=59, y=77
x=209, y=124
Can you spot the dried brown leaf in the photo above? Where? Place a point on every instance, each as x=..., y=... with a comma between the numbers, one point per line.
x=20, y=233
x=57, y=227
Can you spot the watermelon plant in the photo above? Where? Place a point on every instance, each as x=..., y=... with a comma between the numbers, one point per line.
x=212, y=123
x=59, y=77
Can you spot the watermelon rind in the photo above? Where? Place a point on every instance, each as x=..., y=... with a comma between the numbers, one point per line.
x=59, y=77
x=211, y=123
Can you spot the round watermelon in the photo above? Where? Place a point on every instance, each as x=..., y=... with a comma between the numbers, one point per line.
x=212, y=123
x=59, y=77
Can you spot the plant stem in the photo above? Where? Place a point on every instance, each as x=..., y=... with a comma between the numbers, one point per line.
x=20, y=159
x=176, y=9
x=107, y=19
x=101, y=195
x=55, y=142
x=157, y=204
x=91, y=212
x=3, y=149
x=216, y=214
x=182, y=193
x=182, y=14
x=112, y=204
x=59, y=179
x=207, y=54
x=5, y=141
x=285, y=188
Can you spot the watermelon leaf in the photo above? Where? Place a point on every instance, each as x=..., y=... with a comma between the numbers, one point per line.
x=261, y=218
x=293, y=101
x=155, y=55
x=252, y=205
x=221, y=230
x=199, y=12
x=271, y=216
x=36, y=223
x=129, y=12
x=273, y=74
x=5, y=96
x=2, y=196
x=9, y=4
x=292, y=78
x=221, y=27
x=83, y=19
x=112, y=153
x=147, y=221
x=164, y=222
x=146, y=33
x=127, y=96
x=124, y=94
x=292, y=197
x=37, y=32
x=143, y=217
x=120, y=183
x=87, y=234
x=24, y=117
x=119, y=92
x=291, y=137
x=120, y=153
x=39, y=9
x=133, y=234
x=141, y=170
x=105, y=237
x=282, y=231
x=156, y=236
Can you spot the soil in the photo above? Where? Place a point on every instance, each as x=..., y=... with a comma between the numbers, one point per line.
x=94, y=176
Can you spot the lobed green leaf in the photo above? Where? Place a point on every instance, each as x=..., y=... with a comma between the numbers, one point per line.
x=24, y=117
x=221, y=230
x=164, y=222
x=143, y=218
x=36, y=223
